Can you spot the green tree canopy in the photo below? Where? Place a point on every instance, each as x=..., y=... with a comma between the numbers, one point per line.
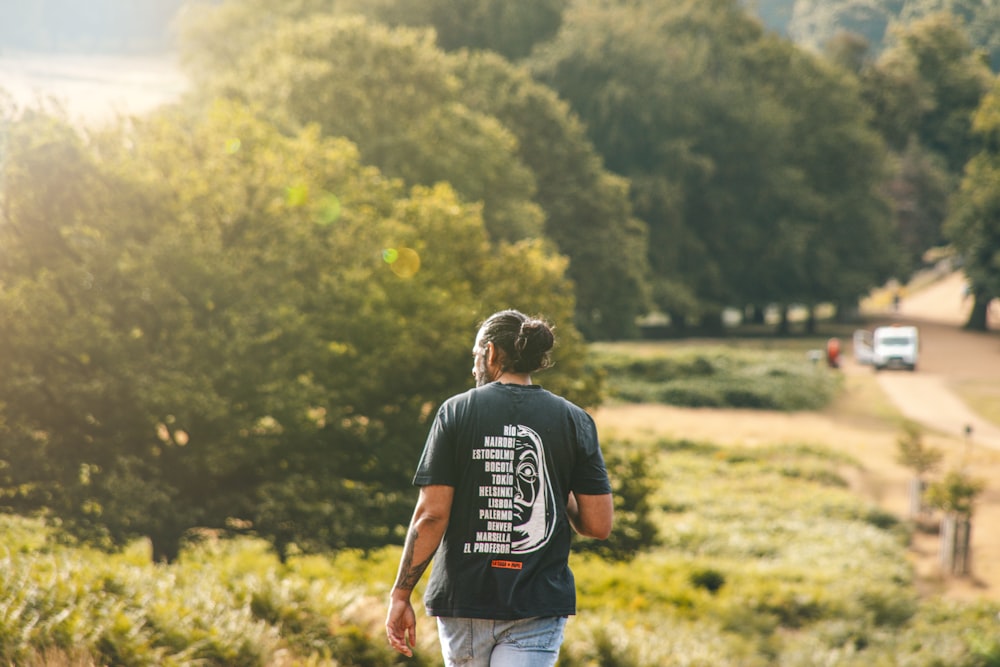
x=923, y=91
x=206, y=322
x=587, y=209
x=508, y=27
x=470, y=119
x=751, y=161
x=974, y=223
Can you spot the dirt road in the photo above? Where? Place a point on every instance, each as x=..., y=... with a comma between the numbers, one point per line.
x=948, y=355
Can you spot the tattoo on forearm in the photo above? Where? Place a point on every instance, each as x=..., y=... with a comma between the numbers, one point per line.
x=409, y=574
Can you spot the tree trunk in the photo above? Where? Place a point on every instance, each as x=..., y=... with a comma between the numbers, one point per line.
x=678, y=323
x=917, y=487
x=166, y=545
x=956, y=538
x=980, y=307
x=845, y=313
x=755, y=314
x=784, y=326
x=811, y=321
x=711, y=324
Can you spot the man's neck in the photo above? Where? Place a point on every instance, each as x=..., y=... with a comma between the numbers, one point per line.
x=508, y=377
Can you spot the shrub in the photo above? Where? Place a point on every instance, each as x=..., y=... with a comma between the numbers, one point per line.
x=717, y=377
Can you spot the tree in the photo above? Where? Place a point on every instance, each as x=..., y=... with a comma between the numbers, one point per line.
x=208, y=323
x=751, y=162
x=634, y=528
x=587, y=210
x=954, y=77
x=913, y=454
x=919, y=190
x=974, y=222
x=955, y=495
x=815, y=23
x=511, y=28
x=472, y=120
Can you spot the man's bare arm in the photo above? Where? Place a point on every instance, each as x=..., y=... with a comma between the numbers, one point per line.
x=591, y=515
x=430, y=519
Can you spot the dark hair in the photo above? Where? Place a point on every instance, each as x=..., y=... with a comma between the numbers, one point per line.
x=524, y=342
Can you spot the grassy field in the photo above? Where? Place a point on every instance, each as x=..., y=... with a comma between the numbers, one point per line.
x=765, y=556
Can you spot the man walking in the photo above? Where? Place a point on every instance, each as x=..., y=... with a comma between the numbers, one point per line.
x=508, y=472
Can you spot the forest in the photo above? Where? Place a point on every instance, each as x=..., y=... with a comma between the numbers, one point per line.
x=238, y=314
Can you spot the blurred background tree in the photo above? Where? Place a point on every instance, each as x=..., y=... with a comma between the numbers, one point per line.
x=210, y=323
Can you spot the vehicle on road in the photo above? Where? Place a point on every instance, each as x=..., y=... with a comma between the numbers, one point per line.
x=893, y=346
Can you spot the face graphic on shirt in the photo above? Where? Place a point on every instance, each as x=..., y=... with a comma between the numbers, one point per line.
x=534, y=504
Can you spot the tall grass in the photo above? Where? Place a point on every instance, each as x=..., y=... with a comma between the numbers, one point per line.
x=225, y=603
x=766, y=558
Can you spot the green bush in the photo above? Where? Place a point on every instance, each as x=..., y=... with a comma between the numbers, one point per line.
x=720, y=377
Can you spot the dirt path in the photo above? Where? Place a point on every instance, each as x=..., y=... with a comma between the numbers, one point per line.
x=949, y=355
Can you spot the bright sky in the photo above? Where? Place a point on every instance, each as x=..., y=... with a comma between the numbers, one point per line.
x=92, y=87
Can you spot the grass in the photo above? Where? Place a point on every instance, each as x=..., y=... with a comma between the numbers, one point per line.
x=768, y=560
x=861, y=400
x=716, y=375
x=982, y=397
x=766, y=557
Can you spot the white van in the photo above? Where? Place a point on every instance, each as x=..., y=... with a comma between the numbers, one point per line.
x=895, y=347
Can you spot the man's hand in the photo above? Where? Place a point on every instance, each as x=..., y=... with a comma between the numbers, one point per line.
x=401, y=626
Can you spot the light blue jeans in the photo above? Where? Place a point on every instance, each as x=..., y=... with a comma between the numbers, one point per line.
x=474, y=642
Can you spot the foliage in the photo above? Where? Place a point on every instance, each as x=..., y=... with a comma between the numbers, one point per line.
x=765, y=560
x=814, y=23
x=751, y=161
x=509, y=27
x=955, y=493
x=588, y=214
x=242, y=329
x=707, y=376
x=470, y=119
x=632, y=484
x=912, y=452
x=974, y=223
x=923, y=91
x=223, y=603
x=764, y=564
x=935, y=61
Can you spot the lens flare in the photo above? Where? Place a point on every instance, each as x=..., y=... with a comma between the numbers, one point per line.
x=233, y=145
x=407, y=263
x=329, y=209
x=297, y=195
x=390, y=255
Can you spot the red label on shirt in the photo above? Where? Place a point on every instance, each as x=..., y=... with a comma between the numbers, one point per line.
x=507, y=564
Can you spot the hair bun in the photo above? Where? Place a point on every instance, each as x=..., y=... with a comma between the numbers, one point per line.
x=525, y=341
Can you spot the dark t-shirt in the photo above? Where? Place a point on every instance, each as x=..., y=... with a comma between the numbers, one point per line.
x=513, y=454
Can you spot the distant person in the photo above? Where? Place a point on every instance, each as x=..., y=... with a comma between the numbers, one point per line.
x=508, y=471
x=897, y=297
x=833, y=353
